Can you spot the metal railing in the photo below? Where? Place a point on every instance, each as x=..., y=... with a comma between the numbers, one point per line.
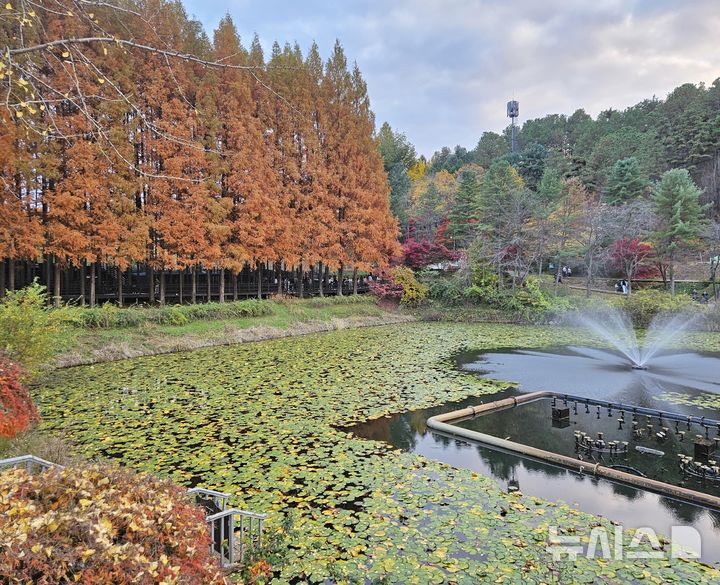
x=231, y=545
x=30, y=462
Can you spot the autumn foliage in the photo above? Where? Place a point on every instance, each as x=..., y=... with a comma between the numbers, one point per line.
x=399, y=283
x=633, y=258
x=17, y=411
x=269, y=161
x=100, y=524
x=417, y=254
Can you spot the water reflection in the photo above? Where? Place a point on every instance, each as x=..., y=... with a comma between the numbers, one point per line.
x=619, y=502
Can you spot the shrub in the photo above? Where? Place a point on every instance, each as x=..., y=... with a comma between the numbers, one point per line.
x=100, y=524
x=28, y=329
x=17, y=411
x=400, y=283
x=443, y=288
x=643, y=305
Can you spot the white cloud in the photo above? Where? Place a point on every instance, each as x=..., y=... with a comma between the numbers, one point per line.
x=442, y=70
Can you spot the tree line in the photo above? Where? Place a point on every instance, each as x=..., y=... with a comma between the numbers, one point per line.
x=130, y=138
x=628, y=193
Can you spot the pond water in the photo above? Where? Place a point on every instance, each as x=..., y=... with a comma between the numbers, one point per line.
x=260, y=421
x=586, y=372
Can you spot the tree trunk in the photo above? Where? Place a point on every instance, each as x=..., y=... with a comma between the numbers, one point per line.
x=193, y=281
x=82, y=283
x=340, y=280
x=151, y=284
x=47, y=272
x=56, y=286
x=181, y=282
x=672, y=280
x=355, y=281
x=162, y=287
x=280, y=280
x=587, y=280
x=92, y=283
x=209, y=285
x=120, y=287
x=301, y=282
x=321, y=276
x=259, y=273
x=221, y=293
x=235, y=285
x=11, y=274
x=2, y=278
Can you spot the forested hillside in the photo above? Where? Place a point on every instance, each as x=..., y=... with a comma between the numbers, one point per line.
x=626, y=193
x=132, y=140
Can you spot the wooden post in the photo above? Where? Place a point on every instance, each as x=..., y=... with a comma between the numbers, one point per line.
x=150, y=272
x=162, y=287
x=120, y=286
x=92, y=283
x=56, y=287
x=82, y=283
x=355, y=280
x=193, y=280
x=221, y=291
x=11, y=274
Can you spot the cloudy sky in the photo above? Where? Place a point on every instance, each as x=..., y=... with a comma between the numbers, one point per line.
x=442, y=70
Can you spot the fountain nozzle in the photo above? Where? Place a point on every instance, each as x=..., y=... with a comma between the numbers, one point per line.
x=639, y=367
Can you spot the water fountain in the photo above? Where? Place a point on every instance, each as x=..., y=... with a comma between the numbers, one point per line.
x=615, y=327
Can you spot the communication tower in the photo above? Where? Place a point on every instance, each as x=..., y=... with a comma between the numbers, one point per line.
x=513, y=111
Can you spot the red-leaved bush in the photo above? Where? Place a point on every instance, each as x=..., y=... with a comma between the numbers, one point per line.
x=633, y=258
x=17, y=411
x=417, y=254
x=101, y=524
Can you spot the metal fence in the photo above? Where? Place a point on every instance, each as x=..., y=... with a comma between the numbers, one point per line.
x=31, y=463
x=230, y=540
x=230, y=544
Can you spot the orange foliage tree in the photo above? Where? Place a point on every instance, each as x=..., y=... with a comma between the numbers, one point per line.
x=137, y=159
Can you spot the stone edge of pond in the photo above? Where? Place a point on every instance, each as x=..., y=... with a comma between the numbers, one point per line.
x=122, y=351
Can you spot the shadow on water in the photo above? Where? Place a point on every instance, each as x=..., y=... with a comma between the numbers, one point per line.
x=586, y=372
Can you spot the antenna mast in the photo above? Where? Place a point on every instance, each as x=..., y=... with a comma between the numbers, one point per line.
x=513, y=111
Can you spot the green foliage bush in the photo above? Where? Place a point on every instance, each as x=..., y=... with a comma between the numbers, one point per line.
x=444, y=289
x=29, y=330
x=643, y=305
x=529, y=301
x=414, y=292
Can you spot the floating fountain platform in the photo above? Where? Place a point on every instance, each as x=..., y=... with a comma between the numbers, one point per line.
x=639, y=367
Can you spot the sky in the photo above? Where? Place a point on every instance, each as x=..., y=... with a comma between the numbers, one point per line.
x=441, y=71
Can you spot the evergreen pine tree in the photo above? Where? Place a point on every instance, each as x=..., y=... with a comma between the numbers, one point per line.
x=625, y=182
x=676, y=203
x=464, y=210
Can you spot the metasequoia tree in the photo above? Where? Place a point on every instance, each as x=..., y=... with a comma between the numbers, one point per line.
x=161, y=151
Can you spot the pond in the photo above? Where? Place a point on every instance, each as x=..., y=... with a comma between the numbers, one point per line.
x=265, y=421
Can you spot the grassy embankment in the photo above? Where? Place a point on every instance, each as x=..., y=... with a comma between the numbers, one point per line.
x=109, y=333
